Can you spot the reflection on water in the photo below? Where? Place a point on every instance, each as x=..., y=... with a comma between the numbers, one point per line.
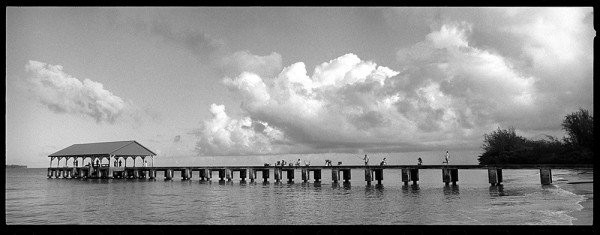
x=410, y=189
x=451, y=190
x=496, y=191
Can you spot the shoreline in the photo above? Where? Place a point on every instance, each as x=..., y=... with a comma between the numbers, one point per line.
x=580, y=182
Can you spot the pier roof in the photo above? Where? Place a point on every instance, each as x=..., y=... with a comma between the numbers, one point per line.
x=118, y=148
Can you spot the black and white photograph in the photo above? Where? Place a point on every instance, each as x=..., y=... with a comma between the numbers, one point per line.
x=299, y=116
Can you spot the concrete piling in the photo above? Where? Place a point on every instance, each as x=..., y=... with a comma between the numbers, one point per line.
x=243, y=174
x=453, y=175
x=203, y=174
x=446, y=175
x=277, y=174
x=335, y=175
x=449, y=175
x=305, y=175
x=317, y=175
x=152, y=174
x=405, y=175
x=495, y=176
x=347, y=175
x=185, y=174
x=221, y=174
x=251, y=174
x=378, y=175
x=414, y=175
x=228, y=174
x=368, y=175
x=546, y=176
x=290, y=175
x=265, y=175
x=169, y=174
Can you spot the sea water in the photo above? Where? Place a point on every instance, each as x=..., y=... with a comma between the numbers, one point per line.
x=32, y=198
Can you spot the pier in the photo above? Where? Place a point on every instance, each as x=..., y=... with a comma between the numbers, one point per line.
x=449, y=173
x=119, y=152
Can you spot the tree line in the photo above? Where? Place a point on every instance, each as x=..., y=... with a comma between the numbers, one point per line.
x=504, y=146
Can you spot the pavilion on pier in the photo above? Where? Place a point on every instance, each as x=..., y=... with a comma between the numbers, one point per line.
x=117, y=151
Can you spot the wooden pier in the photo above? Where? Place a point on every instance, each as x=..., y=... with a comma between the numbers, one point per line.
x=449, y=173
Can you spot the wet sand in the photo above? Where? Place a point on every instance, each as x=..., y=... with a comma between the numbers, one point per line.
x=579, y=182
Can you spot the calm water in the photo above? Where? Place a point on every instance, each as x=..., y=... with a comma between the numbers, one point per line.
x=32, y=198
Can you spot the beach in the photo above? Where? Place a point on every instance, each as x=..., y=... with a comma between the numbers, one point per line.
x=579, y=182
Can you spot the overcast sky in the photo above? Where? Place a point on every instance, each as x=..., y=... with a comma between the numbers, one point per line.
x=232, y=82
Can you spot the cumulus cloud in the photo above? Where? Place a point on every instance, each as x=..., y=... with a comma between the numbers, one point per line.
x=63, y=93
x=450, y=88
x=223, y=135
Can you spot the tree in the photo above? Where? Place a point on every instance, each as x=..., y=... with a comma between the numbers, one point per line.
x=500, y=146
x=580, y=128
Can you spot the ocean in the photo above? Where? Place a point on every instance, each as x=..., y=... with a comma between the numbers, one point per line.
x=33, y=199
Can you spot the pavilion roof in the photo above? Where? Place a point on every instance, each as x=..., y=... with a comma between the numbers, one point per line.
x=118, y=148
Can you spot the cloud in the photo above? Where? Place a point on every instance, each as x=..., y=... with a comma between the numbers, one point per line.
x=207, y=49
x=244, y=61
x=451, y=88
x=62, y=93
x=223, y=135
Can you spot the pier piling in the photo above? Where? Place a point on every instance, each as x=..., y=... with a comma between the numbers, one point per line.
x=152, y=174
x=414, y=175
x=305, y=175
x=251, y=174
x=221, y=174
x=405, y=175
x=277, y=174
x=290, y=175
x=347, y=175
x=546, y=176
x=368, y=176
x=317, y=175
x=228, y=174
x=265, y=175
x=495, y=176
x=169, y=174
x=449, y=175
x=378, y=175
x=243, y=174
x=335, y=175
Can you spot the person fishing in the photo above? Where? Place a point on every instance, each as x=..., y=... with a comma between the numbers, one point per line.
x=366, y=159
x=298, y=162
x=420, y=161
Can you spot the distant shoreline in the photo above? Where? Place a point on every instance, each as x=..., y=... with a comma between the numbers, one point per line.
x=16, y=166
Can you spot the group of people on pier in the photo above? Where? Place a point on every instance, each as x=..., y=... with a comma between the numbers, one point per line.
x=365, y=159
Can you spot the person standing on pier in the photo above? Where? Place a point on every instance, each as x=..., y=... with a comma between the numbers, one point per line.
x=120, y=163
x=446, y=158
x=298, y=162
x=75, y=162
x=366, y=160
x=420, y=161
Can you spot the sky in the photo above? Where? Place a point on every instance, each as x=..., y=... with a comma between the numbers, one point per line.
x=214, y=85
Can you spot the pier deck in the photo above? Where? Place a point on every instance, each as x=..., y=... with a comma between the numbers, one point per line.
x=372, y=173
